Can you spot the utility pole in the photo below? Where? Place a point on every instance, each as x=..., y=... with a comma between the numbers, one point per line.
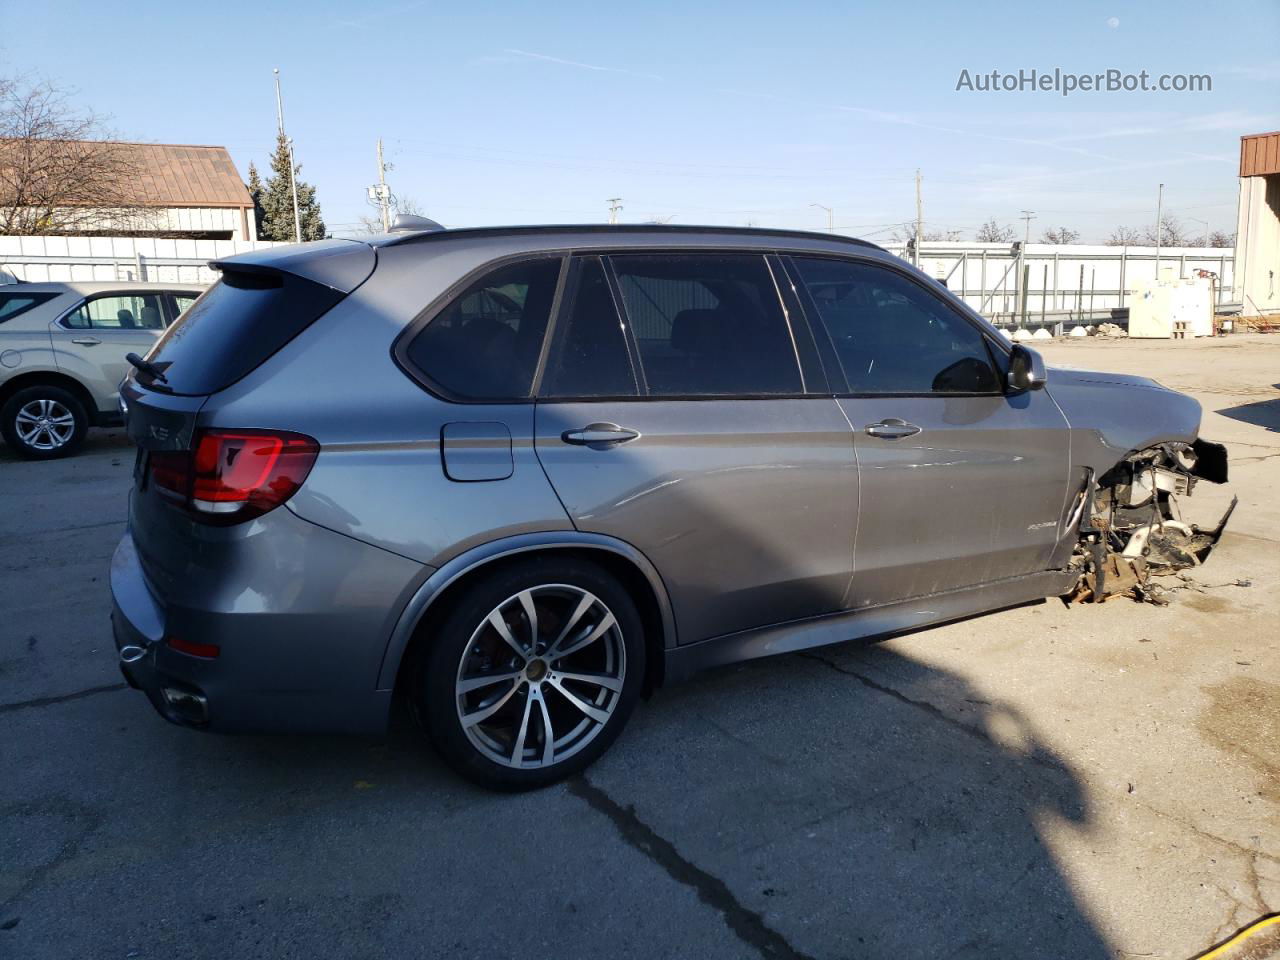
x=1028, y=216
x=293, y=183
x=384, y=195
x=1159, y=226
x=919, y=218
x=615, y=204
x=831, y=216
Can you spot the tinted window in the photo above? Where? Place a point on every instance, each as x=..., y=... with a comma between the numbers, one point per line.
x=708, y=324
x=182, y=301
x=130, y=311
x=12, y=304
x=892, y=335
x=234, y=326
x=589, y=355
x=485, y=344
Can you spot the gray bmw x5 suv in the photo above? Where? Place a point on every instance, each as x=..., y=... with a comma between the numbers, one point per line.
x=523, y=476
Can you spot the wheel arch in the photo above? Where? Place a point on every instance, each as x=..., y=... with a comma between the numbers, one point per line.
x=411, y=633
x=53, y=378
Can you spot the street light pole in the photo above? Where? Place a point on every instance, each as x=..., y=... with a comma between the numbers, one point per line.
x=831, y=216
x=1206, y=229
x=279, y=102
x=1159, y=226
x=293, y=184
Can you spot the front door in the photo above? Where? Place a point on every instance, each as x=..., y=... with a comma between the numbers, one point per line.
x=91, y=341
x=962, y=482
x=688, y=430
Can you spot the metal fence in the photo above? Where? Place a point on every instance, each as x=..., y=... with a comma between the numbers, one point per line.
x=43, y=259
x=1049, y=284
x=1064, y=283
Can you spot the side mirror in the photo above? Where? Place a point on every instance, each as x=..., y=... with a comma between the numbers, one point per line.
x=1026, y=369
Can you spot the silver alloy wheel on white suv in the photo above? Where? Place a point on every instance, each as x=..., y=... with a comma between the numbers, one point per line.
x=45, y=424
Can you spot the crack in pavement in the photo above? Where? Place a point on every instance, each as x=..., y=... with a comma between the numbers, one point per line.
x=63, y=698
x=747, y=925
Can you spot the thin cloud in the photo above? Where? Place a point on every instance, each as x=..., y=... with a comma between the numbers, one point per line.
x=581, y=66
x=907, y=120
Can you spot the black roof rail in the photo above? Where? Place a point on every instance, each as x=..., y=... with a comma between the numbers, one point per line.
x=602, y=228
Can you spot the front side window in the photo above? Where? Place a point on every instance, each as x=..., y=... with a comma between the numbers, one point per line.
x=708, y=325
x=485, y=344
x=131, y=311
x=589, y=356
x=893, y=336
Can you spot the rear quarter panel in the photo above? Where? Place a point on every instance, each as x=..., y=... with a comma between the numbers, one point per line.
x=380, y=475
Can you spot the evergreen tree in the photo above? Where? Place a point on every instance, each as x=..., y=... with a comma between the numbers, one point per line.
x=256, y=192
x=277, y=201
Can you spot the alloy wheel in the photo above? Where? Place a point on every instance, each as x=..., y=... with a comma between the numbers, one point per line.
x=45, y=424
x=541, y=676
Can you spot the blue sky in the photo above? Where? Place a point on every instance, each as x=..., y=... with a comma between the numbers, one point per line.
x=704, y=113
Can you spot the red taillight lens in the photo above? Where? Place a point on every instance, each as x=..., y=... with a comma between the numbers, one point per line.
x=235, y=475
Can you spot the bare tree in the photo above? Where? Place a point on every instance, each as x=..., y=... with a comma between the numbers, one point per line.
x=1060, y=235
x=1124, y=237
x=908, y=232
x=993, y=232
x=58, y=171
x=1172, y=234
x=1220, y=238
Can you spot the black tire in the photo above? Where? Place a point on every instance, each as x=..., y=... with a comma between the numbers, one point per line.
x=438, y=702
x=56, y=398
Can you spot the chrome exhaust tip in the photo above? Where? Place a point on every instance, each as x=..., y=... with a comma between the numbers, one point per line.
x=191, y=706
x=132, y=653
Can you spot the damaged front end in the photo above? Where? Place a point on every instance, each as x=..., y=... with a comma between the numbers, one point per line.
x=1130, y=522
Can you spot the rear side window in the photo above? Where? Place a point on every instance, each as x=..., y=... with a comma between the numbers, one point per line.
x=13, y=304
x=233, y=327
x=893, y=336
x=125, y=311
x=589, y=356
x=485, y=344
x=708, y=325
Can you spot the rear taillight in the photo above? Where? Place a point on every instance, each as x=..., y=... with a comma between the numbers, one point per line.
x=234, y=475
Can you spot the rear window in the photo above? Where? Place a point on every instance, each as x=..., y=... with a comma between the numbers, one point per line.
x=233, y=327
x=13, y=304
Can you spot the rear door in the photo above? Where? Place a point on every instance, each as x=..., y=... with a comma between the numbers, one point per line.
x=678, y=412
x=962, y=483
x=91, y=341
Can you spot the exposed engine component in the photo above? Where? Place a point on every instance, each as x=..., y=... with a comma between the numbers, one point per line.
x=1130, y=523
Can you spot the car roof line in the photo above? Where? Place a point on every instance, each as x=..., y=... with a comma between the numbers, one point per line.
x=599, y=229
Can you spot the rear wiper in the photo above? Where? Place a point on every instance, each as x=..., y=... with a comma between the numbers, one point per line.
x=147, y=367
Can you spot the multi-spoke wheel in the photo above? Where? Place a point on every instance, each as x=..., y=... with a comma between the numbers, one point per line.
x=543, y=664
x=43, y=422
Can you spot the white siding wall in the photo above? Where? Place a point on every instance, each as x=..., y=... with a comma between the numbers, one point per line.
x=39, y=259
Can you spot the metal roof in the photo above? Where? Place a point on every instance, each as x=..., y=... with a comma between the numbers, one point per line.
x=177, y=174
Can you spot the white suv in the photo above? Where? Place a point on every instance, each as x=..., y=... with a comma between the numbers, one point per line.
x=62, y=355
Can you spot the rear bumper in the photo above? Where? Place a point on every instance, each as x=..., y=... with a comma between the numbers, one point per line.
x=270, y=676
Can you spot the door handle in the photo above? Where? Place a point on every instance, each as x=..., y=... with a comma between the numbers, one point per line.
x=86, y=341
x=891, y=428
x=598, y=436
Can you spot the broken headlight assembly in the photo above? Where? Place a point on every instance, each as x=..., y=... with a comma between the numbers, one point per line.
x=1131, y=525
